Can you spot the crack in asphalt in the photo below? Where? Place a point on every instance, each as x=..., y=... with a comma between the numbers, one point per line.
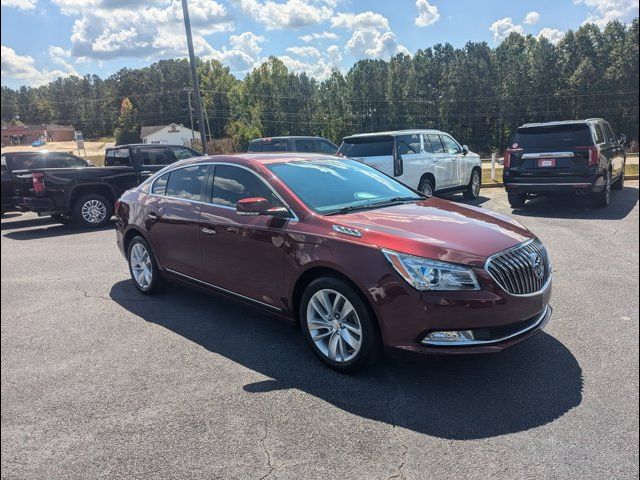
x=266, y=452
x=399, y=473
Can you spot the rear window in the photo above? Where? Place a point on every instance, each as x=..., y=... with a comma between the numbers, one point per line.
x=367, y=147
x=572, y=135
x=117, y=157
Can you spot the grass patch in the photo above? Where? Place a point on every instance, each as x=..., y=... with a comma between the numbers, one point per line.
x=631, y=169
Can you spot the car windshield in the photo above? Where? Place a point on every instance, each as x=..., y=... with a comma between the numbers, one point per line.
x=334, y=185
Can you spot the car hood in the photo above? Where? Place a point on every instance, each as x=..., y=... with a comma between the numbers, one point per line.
x=437, y=229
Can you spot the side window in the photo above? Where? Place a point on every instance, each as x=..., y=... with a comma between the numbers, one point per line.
x=231, y=184
x=408, y=144
x=153, y=156
x=160, y=184
x=324, y=146
x=187, y=182
x=180, y=153
x=598, y=133
x=65, y=161
x=608, y=133
x=118, y=158
x=450, y=146
x=305, y=145
x=434, y=142
x=275, y=145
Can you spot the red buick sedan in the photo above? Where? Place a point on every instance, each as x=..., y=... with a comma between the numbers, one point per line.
x=359, y=260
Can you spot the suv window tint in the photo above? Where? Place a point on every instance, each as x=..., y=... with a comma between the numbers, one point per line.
x=160, y=184
x=231, y=184
x=598, y=133
x=367, y=146
x=180, y=153
x=117, y=157
x=608, y=133
x=551, y=136
x=187, y=182
x=153, y=156
x=408, y=144
x=274, y=145
x=435, y=143
x=324, y=146
x=304, y=145
x=450, y=146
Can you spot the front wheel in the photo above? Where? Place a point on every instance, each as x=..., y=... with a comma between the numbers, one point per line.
x=92, y=211
x=473, y=190
x=426, y=187
x=338, y=325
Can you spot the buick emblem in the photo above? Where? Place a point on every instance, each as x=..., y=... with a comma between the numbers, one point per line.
x=537, y=265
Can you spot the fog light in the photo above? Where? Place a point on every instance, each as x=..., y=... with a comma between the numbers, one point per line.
x=448, y=337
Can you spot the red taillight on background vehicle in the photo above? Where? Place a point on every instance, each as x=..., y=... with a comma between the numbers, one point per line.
x=594, y=154
x=506, y=161
x=117, y=207
x=38, y=182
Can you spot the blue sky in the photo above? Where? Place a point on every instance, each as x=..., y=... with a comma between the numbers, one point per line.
x=44, y=39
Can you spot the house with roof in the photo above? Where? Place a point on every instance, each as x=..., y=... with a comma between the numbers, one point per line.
x=173, y=134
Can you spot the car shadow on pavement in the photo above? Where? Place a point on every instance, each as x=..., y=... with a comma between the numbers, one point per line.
x=460, y=199
x=49, y=229
x=462, y=397
x=580, y=207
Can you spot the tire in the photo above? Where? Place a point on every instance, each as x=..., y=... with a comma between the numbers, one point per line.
x=61, y=218
x=92, y=211
x=351, y=350
x=475, y=183
x=516, y=200
x=619, y=184
x=141, y=259
x=426, y=187
x=603, y=199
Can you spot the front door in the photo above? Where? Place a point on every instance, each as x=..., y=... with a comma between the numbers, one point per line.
x=454, y=151
x=443, y=163
x=243, y=255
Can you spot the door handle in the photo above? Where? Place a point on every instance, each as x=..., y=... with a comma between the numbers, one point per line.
x=233, y=229
x=208, y=231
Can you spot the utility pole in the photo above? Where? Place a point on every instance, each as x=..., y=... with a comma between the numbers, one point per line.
x=194, y=75
x=193, y=133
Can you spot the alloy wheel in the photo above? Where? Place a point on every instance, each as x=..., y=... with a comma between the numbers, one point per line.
x=427, y=189
x=141, y=266
x=475, y=184
x=334, y=325
x=93, y=211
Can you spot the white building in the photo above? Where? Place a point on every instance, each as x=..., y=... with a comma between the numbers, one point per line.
x=168, y=134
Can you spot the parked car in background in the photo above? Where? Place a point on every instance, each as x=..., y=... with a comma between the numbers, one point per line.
x=357, y=258
x=584, y=157
x=23, y=163
x=87, y=196
x=293, y=144
x=431, y=161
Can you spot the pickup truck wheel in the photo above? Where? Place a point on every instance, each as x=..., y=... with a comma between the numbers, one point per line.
x=473, y=190
x=516, y=200
x=92, y=211
x=603, y=198
x=61, y=218
x=143, y=267
x=426, y=187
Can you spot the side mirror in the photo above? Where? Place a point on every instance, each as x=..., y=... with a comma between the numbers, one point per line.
x=252, y=206
x=622, y=139
x=465, y=149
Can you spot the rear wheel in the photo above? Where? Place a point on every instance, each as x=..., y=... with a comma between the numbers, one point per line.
x=143, y=267
x=92, y=211
x=516, y=200
x=603, y=199
x=426, y=187
x=473, y=190
x=338, y=325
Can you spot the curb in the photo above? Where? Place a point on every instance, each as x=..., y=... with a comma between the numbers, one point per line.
x=500, y=185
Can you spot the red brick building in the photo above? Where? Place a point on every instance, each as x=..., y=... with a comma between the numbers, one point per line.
x=26, y=134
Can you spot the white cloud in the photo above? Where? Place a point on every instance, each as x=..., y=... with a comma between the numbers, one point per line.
x=551, y=34
x=291, y=14
x=604, y=11
x=427, y=14
x=247, y=42
x=531, y=18
x=304, y=51
x=369, y=21
x=372, y=44
x=503, y=27
x=20, y=4
x=318, y=36
x=335, y=57
x=22, y=67
x=318, y=69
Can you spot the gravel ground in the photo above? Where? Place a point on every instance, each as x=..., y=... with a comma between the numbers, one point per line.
x=100, y=381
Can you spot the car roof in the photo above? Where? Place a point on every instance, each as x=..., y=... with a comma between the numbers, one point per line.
x=259, y=158
x=288, y=137
x=394, y=133
x=562, y=122
x=148, y=145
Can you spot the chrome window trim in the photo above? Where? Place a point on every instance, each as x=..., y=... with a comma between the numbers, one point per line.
x=293, y=218
x=516, y=247
x=542, y=317
x=526, y=156
x=223, y=289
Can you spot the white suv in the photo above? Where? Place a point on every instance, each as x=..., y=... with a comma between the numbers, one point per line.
x=427, y=160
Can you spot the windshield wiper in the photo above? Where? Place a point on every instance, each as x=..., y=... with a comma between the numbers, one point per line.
x=384, y=203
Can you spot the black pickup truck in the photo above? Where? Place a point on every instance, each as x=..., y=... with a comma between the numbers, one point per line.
x=87, y=196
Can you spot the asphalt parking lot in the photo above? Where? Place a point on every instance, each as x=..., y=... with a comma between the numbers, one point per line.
x=99, y=381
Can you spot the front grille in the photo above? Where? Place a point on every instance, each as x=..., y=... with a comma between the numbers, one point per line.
x=522, y=270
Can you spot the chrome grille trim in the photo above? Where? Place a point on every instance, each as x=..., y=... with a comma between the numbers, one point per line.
x=513, y=271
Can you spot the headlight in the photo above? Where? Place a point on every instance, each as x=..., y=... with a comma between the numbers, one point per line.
x=424, y=274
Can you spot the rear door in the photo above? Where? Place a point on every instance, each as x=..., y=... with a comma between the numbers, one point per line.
x=414, y=160
x=304, y=145
x=551, y=150
x=376, y=151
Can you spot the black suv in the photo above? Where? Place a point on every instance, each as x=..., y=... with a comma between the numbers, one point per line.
x=293, y=144
x=579, y=156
